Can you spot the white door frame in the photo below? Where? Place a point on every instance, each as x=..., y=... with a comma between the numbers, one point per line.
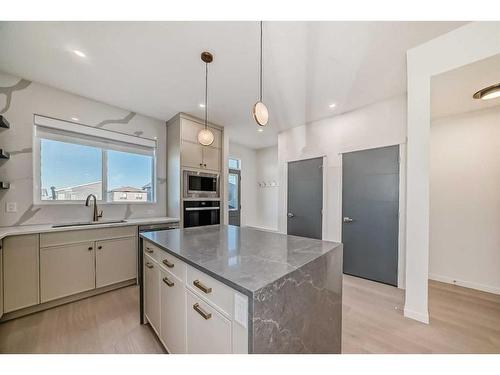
x=463, y=46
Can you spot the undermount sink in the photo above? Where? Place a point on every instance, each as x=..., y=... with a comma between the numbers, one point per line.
x=88, y=223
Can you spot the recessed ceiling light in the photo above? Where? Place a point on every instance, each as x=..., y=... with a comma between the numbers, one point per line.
x=490, y=92
x=260, y=130
x=75, y=118
x=333, y=105
x=79, y=53
x=202, y=105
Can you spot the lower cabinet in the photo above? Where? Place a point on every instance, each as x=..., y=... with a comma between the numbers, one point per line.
x=152, y=292
x=66, y=270
x=116, y=260
x=20, y=272
x=173, y=313
x=208, y=332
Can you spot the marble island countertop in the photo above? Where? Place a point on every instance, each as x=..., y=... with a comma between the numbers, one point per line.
x=44, y=228
x=246, y=259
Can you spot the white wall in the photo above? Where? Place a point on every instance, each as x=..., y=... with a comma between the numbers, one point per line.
x=268, y=191
x=465, y=200
x=29, y=98
x=377, y=125
x=465, y=45
x=248, y=159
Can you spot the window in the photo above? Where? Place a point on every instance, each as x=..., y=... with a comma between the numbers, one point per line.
x=233, y=190
x=73, y=161
x=234, y=164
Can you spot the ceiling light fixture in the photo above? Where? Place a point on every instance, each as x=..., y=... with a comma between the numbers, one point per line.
x=205, y=136
x=79, y=53
x=260, y=112
x=333, y=105
x=260, y=130
x=487, y=93
x=202, y=105
x=75, y=118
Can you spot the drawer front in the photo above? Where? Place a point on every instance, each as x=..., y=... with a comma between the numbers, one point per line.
x=84, y=235
x=208, y=331
x=173, y=264
x=152, y=251
x=214, y=291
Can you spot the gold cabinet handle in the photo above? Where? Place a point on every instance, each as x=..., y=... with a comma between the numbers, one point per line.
x=203, y=288
x=168, y=282
x=149, y=265
x=148, y=250
x=167, y=263
x=203, y=313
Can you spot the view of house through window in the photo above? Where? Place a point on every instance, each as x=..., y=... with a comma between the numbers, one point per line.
x=72, y=167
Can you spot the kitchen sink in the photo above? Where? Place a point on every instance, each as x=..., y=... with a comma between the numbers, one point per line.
x=88, y=223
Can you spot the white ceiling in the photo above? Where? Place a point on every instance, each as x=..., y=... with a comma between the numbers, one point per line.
x=452, y=91
x=154, y=68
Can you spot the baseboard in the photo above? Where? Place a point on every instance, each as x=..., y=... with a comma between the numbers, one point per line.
x=465, y=284
x=416, y=315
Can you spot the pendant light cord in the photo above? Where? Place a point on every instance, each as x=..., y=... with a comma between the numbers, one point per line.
x=260, y=62
x=206, y=95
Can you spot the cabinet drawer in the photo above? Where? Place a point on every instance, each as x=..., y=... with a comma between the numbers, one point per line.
x=208, y=332
x=173, y=264
x=84, y=235
x=152, y=251
x=214, y=291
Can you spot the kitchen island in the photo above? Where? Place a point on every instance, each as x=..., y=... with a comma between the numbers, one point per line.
x=226, y=289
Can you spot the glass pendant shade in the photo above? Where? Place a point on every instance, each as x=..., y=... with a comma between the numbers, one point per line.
x=205, y=137
x=260, y=113
x=488, y=93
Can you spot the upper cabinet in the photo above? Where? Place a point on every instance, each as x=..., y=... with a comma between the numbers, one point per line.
x=193, y=154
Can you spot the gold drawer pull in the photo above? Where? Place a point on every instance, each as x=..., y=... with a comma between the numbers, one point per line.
x=202, y=312
x=167, y=263
x=168, y=282
x=149, y=265
x=202, y=287
x=148, y=250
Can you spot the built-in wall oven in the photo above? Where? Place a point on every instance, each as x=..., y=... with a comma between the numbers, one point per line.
x=201, y=185
x=199, y=213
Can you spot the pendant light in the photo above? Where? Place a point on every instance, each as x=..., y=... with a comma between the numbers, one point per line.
x=205, y=136
x=260, y=112
x=487, y=93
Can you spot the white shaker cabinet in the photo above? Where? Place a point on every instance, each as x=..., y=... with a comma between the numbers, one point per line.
x=116, y=260
x=208, y=331
x=173, y=313
x=66, y=270
x=20, y=272
x=152, y=292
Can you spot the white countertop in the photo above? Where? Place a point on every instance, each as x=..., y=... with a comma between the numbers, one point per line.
x=43, y=228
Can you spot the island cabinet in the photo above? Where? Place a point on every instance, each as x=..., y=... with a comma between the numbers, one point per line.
x=196, y=312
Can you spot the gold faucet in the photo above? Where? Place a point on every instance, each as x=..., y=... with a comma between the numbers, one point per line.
x=96, y=215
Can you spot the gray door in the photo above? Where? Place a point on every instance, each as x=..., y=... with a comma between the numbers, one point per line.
x=370, y=206
x=305, y=198
x=234, y=201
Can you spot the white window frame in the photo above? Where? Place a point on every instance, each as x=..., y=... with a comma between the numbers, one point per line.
x=67, y=126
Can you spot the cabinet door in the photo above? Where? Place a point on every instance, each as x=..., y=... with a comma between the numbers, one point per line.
x=152, y=292
x=192, y=155
x=173, y=313
x=20, y=272
x=66, y=270
x=190, y=130
x=116, y=260
x=211, y=158
x=208, y=332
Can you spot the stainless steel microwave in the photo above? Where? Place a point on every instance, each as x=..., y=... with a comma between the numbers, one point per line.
x=201, y=185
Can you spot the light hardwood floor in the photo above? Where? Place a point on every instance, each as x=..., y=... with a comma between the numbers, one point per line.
x=462, y=321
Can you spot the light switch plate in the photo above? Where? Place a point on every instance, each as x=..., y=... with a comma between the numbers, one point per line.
x=11, y=207
x=241, y=309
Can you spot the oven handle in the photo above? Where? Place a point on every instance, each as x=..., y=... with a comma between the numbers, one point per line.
x=201, y=208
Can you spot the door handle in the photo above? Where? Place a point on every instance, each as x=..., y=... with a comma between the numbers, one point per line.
x=168, y=282
x=348, y=220
x=290, y=214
